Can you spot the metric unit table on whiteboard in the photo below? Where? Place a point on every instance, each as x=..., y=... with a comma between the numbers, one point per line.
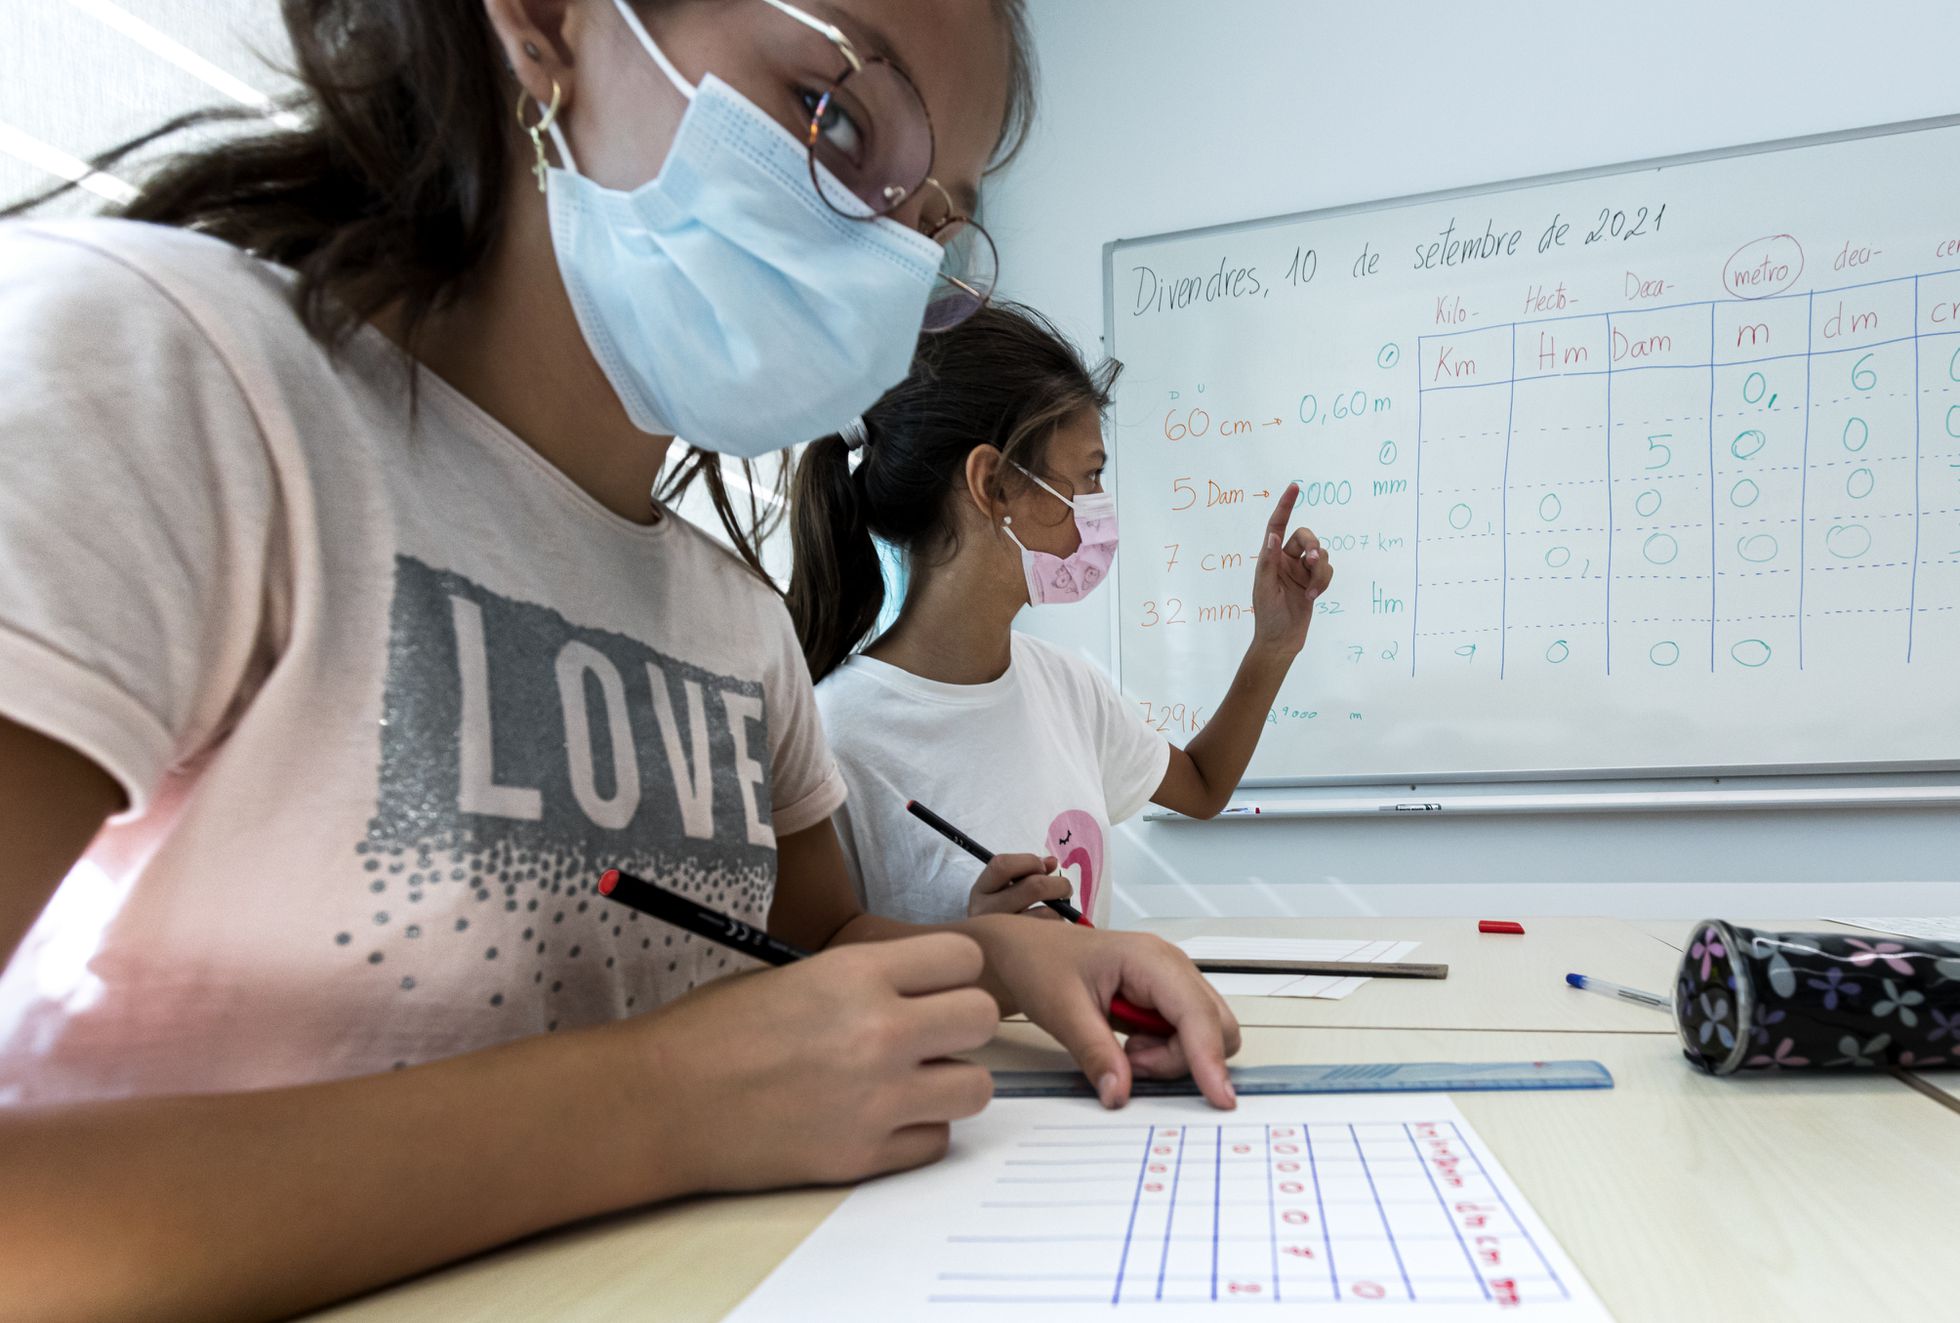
x=1639, y=470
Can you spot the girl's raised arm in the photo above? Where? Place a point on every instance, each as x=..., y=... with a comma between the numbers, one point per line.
x=1291, y=573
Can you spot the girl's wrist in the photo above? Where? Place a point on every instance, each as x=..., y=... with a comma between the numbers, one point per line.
x=637, y=1137
x=997, y=935
x=1270, y=658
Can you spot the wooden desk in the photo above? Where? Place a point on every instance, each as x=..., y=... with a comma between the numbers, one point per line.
x=1680, y=1197
x=1496, y=982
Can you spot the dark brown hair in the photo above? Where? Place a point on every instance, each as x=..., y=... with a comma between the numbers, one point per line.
x=390, y=193
x=1005, y=377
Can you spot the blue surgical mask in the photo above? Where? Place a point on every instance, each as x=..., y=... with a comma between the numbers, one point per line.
x=726, y=302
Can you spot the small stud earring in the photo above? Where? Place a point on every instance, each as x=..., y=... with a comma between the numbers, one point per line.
x=531, y=49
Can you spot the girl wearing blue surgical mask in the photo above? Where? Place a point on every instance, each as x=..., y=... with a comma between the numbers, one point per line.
x=342, y=646
x=984, y=470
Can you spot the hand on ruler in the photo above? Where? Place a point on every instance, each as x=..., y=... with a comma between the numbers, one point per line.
x=1064, y=978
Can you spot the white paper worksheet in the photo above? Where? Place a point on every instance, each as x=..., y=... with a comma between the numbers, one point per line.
x=1052, y=1208
x=1935, y=930
x=1302, y=949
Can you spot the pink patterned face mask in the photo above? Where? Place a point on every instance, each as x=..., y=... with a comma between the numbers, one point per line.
x=1056, y=579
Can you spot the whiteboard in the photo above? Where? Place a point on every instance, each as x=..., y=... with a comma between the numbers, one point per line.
x=1634, y=471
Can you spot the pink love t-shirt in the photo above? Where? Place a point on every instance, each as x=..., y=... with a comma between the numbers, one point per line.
x=384, y=697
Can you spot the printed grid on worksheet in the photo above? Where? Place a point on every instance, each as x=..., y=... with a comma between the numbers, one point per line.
x=1245, y=1214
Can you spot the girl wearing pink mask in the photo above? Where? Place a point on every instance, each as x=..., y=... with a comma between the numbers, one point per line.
x=983, y=470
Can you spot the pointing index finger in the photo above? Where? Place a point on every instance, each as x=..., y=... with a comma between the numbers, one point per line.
x=1276, y=526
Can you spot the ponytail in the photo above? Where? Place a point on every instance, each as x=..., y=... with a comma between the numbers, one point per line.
x=837, y=584
x=1004, y=377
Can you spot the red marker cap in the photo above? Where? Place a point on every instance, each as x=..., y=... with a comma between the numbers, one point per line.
x=1500, y=926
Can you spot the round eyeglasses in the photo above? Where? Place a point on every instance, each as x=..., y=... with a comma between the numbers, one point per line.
x=870, y=145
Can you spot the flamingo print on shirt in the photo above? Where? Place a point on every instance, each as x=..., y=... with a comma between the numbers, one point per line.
x=1075, y=839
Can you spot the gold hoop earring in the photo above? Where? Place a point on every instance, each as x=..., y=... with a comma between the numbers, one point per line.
x=547, y=117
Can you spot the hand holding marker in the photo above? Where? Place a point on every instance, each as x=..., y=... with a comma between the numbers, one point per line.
x=1124, y=1014
x=669, y=907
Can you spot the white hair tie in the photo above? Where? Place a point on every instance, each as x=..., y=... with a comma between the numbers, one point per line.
x=855, y=434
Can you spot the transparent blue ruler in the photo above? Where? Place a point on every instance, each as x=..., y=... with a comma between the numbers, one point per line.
x=1394, y=1077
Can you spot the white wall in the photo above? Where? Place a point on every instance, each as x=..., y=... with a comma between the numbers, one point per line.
x=80, y=76
x=1165, y=114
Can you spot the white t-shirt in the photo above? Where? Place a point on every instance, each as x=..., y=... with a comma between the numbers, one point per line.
x=384, y=700
x=1042, y=760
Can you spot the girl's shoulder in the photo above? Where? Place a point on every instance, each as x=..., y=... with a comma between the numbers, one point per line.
x=856, y=686
x=723, y=583
x=191, y=278
x=1069, y=688
x=147, y=304
x=156, y=341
